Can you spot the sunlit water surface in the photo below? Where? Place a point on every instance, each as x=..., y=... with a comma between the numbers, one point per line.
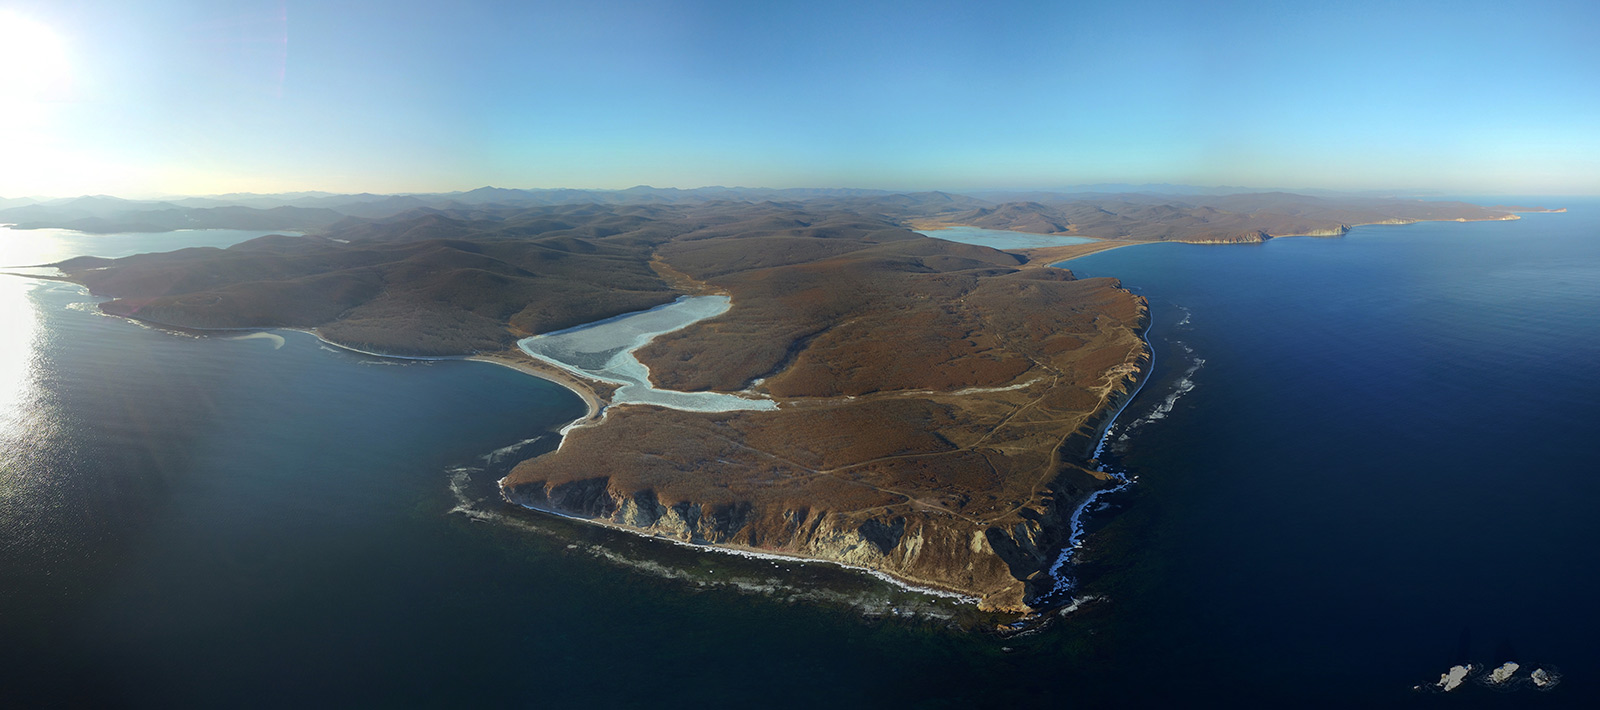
x=1365, y=460
x=32, y=247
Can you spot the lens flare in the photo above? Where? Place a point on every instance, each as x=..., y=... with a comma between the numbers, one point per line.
x=33, y=61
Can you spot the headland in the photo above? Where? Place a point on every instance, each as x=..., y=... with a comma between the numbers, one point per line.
x=937, y=404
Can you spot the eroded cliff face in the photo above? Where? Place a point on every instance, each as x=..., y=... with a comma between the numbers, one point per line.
x=1002, y=562
x=1334, y=231
x=1258, y=236
x=1252, y=237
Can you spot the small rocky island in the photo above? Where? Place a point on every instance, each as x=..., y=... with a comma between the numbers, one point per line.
x=936, y=403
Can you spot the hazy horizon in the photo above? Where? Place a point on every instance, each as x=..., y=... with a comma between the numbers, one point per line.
x=186, y=98
x=984, y=192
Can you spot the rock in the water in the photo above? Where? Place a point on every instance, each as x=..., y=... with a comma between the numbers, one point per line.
x=1503, y=673
x=1452, y=680
x=1542, y=678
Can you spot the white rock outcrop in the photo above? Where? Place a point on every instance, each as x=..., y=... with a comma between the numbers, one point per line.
x=1453, y=679
x=1503, y=673
x=1542, y=678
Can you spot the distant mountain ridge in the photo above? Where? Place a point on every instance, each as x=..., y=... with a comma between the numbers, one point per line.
x=1136, y=212
x=1229, y=218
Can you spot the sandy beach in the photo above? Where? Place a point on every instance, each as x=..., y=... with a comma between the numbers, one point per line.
x=595, y=395
x=1049, y=256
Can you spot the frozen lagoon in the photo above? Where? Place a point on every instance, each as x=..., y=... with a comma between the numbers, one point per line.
x=1002, y=239
x=603, y=350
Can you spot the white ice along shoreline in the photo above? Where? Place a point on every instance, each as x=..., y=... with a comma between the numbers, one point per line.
x=604, y=350
x=1063, y=584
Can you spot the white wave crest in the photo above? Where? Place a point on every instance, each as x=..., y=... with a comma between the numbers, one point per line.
x=496, y=456
x=276, y=340
x=1184, y=385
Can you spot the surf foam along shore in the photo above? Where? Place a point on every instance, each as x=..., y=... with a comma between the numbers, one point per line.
x=1063, y=583
x=604, y=350
x=1183, y=386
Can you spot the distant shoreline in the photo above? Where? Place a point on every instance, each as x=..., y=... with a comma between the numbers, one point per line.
x=1071, y=251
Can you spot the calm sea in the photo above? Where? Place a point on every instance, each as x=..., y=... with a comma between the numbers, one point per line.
x=1359, y=461
x=1364, y=460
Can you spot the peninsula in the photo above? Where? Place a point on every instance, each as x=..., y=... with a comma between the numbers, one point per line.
x=933, y=406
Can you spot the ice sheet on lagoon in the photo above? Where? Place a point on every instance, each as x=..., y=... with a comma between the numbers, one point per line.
x=1002, y=239
x=603, y=350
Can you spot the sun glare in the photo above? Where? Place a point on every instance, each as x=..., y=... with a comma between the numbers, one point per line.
x=33, y=60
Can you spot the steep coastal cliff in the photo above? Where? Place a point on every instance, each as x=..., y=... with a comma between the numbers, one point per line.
x=1002, y=562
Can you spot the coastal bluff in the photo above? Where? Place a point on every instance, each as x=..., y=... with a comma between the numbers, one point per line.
x=937, y=403
x=937, y=406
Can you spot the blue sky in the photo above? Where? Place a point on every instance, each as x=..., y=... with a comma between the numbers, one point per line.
x=266, y=95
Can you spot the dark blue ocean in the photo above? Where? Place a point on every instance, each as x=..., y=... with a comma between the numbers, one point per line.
x=1364, y=460
x=1359, y=461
